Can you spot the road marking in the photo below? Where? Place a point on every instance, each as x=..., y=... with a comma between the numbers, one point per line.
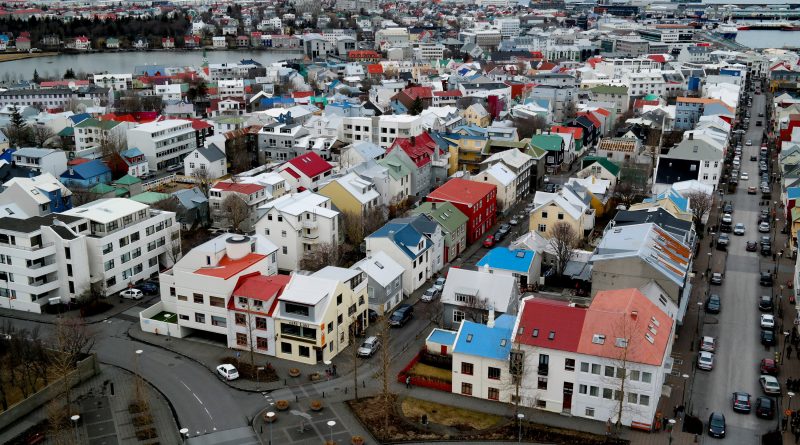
x=198, y=399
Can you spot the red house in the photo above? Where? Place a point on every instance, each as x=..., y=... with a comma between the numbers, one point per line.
x=476, y=200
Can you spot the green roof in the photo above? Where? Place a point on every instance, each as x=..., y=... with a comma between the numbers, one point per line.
x=150, y=197
x=395, y=167
x=509, y=144
x=128, y=180
x=93, y=122
x=549, y=142
x=121, y=192
x=445, y=213
x=102, y=189
x=651, y=96
x=535, y=152
x=605, y=162
x=609, y=89
x=67, y=131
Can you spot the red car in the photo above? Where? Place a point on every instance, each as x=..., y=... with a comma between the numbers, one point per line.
x=769, y=367
x=489, y=241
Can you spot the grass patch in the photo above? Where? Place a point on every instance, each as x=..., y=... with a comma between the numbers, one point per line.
x=448, y=415
x=168, y=317
x=423, y=370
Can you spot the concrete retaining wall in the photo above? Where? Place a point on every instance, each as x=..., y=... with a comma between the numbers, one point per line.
x=86, y=369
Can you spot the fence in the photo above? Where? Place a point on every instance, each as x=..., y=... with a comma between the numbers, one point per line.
x=151, y=184
x=86, y=369
x=425, y=382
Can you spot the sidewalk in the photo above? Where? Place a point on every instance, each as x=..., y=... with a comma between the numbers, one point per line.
x=120, y=305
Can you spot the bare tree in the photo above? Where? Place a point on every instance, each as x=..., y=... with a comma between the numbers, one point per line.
x=627, y=332
x=569, y=110
x=174, y=248
x=386, y=372
x=563, y=239
x=112, y=144
x=41, y=134
x=321, y=255
x=475, y=309
x=82, y=195
x=625, y=194
x=701, y=203
x=235, y=211
x=71, y=340
x=527, y=126
x=202, y=179
x=357, y=226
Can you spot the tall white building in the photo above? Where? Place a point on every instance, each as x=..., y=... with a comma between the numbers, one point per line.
x=164, y=143
x=127, y=241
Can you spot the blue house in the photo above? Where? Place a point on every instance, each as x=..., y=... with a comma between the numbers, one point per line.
x=87, y=174
x=524, y=265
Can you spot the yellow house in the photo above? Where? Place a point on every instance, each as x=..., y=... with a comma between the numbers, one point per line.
x=795, y=228
x=466, y=152
x=476, y=114
x=552, y=208
x=351, y=194
x=316, y=313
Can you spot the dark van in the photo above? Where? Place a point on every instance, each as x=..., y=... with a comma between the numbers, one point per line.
x=401, y=316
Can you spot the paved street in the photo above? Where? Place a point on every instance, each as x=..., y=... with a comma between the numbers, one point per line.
x=737, y=326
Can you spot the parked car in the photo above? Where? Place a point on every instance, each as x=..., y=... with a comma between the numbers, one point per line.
x=768, y=337
x=765, y=303
x=133, y=294
x=716, y=425
x=727, y=219
x=148, y=288
x=401, y=315
x=708, y=344
x=369, y=347
x=705, y=360
x=769, y=384
x=765, y=407
x=431, y=294
x=741, y=402
x=738, y=229
x=716, y=278
x=727, y=208
x=722, y=241
x=767, y=321
x=227, y=371
x=752, y=190
x=439, y=283
x=713, y=304
x=499, y=235
x=372, y=314
x=513, y=222
x=766, y=279
x=763, y=227
x=751, y=246
x=768, y=366
x=489, y=241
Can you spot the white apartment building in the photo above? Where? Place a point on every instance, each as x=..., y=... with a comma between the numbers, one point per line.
x=250, y=322
x=114, y=82
x=227, y=71
x=253, y=195
x=44, y=261
x=127, y=241
x=296, y=223
x=36, y=196
x=91, y=134
x=230, y=88
x=41, y=160
x=391, y=127
x=391, y=38
x=164, y=143
x=169, y=91
x=509, y=27
x=506, y=182
x=481, y=357
x=429, y=51
x=357, y=129
x=643, y=83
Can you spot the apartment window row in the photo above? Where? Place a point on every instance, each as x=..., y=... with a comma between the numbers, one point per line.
x=616, y=372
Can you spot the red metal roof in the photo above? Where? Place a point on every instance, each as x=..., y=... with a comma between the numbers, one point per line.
x=540, y=316
x=227, y=267
x=463, y=191
x=448, y=93
x=660, y=58
x=310, y=164
x=577, y=132
x=259, y=287
x=375, y=68
x=418, y=148
x=237, y=187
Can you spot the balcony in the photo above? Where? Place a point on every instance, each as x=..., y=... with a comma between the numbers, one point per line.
x=310, y=224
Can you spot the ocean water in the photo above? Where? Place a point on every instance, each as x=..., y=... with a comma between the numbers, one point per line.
x=769, y=39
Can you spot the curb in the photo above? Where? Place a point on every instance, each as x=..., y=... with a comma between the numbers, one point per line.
x=14, y=314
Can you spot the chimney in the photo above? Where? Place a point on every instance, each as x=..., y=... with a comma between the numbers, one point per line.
x=490, y=322
x=634, y=315
x=433, y=205
x=691, y=136
x=413, y=140
x=71, y=171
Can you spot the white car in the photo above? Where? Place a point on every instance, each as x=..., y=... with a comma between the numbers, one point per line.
x=763, y=227
x=767, y=321
x=770, y=384
x=133, y=294
x=738, y=229
x=708, y=344
x=513, y=222
x=227, y=371
x=748, y=143
x=727, y=218
x=744, y=176
x=431, y=294
x=439, y=283
x=705, y=361
x=369, y=347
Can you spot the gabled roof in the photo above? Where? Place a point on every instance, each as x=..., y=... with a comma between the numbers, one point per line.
x=419, y=148
x=212, y=153
x=86, y=170
x=227, y=267
x=310, y=164
x=517, y=260
x=550, y=324
x=605, y=162
x=379, y=266
x=266, y=288
x=462, y=191
x=237, y=187
x=444, y=213
x=497, y=290
x=480, y=340
x=549, y=142
x=405, y=236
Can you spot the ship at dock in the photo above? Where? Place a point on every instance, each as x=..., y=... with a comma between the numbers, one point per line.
x=769, y=26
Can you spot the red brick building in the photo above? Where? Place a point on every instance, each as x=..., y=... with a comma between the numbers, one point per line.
x=476, y=200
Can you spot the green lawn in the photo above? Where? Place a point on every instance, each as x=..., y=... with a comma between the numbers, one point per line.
x=163, y=316
x=448, y=415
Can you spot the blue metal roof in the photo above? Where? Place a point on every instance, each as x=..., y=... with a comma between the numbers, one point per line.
x=793, y=192
x=87, y=170
x=78, y=118
x=403, y=235
x=676, y=198
x=518, y=260
x=482, y=341
x=442, y=337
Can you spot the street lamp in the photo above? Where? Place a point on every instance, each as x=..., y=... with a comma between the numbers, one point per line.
x=270, y=416
x=184, y=434
x=785, y=340
x=683, y=398
x=331, y=423
x=520, y=416
x=75, y=418
x=697, y=325
x=708, y=267
x=671, y=427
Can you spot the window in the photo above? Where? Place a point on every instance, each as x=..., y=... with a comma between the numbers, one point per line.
x=494, y=373
x=111, y=281
x=466, y=368
x=542, y=384
x=583, y=389
x=261, y=323
x=262, y=343
x=594, y=391
x=609, y=371
x=589, y=412
x=494, y=394
x=286, y=348
x=296, y=309
x=569, y=364
x=542, y=228
x=458, y=316
x=198, y=298
x=633, y=397
x=595, y=369
x=560, y=216
x=200, y=318
x=644, y=400
x=541, y=404
x=304, y=351
x=607, y=393
x=284, y=250
x=339, y=299
x=183, y=298
x=466, y=389
x=183, y=317
x=216, y=301
x=584, y=367
x=240, y=320
x=634, y=376
x=219, y=321
x=108, y=265
x=107, y=248
x=544, y=215
x=647, y=377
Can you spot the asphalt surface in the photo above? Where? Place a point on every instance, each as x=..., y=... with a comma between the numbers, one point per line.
x=739, y=349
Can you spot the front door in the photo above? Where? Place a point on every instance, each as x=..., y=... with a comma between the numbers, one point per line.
x=567, y=405
x=443, y=351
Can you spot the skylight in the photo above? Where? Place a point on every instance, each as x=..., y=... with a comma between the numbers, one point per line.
x=621, y=342
x=535, y=332
x=469, y=338
x=551, y=335
x=598, y=339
